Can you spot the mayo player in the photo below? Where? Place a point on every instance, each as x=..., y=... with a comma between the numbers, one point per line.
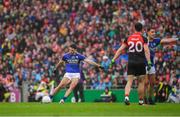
x=138, y=52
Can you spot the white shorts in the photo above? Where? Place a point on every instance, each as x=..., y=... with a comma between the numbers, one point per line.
x=151, y=71
x=72, y=75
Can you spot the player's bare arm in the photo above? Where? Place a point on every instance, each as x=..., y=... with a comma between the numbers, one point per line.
x=59, y=63
x=92, y=62
x=123, y=46
x=168, y=40
x=147, y=52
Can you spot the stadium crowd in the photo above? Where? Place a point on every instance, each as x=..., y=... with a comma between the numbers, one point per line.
x=34, y=34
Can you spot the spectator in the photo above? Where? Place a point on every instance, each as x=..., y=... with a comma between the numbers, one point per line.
x=106, y=63
x=79, y=89
x=2, y=92
x=174, y=96
x=163, y=91
x=106, y=96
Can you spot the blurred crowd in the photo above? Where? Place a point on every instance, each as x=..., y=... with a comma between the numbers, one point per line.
x=34, y=34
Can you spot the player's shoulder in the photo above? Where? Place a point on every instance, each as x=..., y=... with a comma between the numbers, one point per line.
x=136, y=35
x=157, y=39
x=79, y=54
x=66, y=54
x=128, y=37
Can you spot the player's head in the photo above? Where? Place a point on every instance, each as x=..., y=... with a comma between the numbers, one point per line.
x=138, y=27
x=72, y=48
x=151, y=33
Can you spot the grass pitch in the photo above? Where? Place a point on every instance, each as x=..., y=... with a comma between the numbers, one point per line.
x=88, y=109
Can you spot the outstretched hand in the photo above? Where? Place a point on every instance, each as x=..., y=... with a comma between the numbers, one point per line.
x=149, y=65
x=112, y=63
x=101, y=67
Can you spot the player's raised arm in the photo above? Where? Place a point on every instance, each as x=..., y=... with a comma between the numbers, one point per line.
x=168, y=40
x=59, y=63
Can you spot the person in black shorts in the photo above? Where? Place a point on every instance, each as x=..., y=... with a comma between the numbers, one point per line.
x=138, y=52
x=79, y=89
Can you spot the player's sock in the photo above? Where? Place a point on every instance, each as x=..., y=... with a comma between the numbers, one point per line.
x=127, y=96
x=126, y=100
x=141, y=102
x=64, y=98
x=51, y=96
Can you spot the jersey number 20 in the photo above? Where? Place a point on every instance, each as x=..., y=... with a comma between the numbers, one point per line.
x=135, y=46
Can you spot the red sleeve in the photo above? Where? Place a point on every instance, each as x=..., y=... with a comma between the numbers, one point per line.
x=125, y=42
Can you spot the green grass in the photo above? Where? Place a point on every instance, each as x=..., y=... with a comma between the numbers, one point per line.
x=88, y=109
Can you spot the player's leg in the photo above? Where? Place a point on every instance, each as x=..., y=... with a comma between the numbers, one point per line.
x=75, y=91
x=131, y=73
x=151, y=79
x=146, y=89
x=81, y=92
x=151, y=88
x=141, y=73
x=73, y=84
x=65, y=81
x=51, y=89
x=141, y=82
x=128, y=88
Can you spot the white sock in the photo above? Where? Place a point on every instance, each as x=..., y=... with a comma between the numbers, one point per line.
x=141, y=101
x=126, y=98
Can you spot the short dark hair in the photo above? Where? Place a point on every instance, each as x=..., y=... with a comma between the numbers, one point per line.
x=150, y=28
x=138, y=27
x=73, y=46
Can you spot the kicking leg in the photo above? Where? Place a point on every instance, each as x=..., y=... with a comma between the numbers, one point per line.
x=62, y=84
x=75, y=91
x=73, y=84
